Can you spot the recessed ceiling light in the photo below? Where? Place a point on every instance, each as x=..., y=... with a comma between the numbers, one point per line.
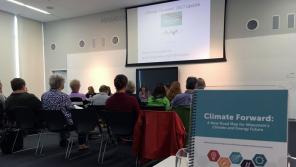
x=28, y=6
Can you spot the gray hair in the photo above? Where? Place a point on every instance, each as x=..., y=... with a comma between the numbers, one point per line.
x=56, y=81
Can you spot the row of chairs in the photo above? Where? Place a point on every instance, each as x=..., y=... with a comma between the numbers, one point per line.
x=120, y=123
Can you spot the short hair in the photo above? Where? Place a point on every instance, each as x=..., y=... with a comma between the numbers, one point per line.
x=120, y=81
x=56, y=81
x=201, y=84
x=191, y=83
x=104, y=88
x=17, y=84
x=75, y=85
x=130, y=88
x=159, y=91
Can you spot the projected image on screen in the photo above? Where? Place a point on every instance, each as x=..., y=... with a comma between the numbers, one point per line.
x=175, y=31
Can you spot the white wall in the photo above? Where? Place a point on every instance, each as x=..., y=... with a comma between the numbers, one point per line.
x=253, y=57
x=31, y=62
x=7, y=59
x=31, y=55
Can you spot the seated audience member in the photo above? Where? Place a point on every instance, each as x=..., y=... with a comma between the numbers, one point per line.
x=120, y=101
x=55, y=99
x=21, y=98
x=109, y=91
x=185, y=99
x=159, y=98
x=201, y=84
x=91, y=92
x=143, y=94
x=130, y=90
x=173, y=90
x=2, y=97
x=100, y=98
x=75, y=87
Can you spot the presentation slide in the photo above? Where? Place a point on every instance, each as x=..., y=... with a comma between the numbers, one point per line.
x=175, y=31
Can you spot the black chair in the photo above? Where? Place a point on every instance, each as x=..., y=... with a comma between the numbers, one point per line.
x=26, y=121
x=55, y=123
x=121, y=125
x=77, y=101
x=153, y=108
x=85, y=121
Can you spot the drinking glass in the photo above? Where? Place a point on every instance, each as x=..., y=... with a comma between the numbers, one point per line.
x=182, y=158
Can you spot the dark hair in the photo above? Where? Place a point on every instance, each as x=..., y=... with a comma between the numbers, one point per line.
x=159, y=91
x=201, y=84
x=17, y=84
x=120, y=81
x=104, y=88
x=191, y=83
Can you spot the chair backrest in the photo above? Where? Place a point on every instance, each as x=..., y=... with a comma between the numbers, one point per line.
x=55, y=120
x=292, y=137
x=24, y=117
x=97, y=108
x=84, y=120
x=153, y=108
x=121, y=123
x=77, y=101
x=184, y=113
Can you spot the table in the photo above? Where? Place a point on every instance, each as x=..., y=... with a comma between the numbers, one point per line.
x=158, y=135
x=169, y=162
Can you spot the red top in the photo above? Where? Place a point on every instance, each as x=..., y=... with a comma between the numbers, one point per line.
x=158, y=135
x=122, y=102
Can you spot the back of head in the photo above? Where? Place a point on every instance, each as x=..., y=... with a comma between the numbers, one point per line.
x=175, y=89
x=56, y=82
x=201, y=84
x=75, y=85
x=17, y=84
x=91, y=90
x=159, y=91
x=120, y=82
x=104, y=89
x=130, y=88
x=191, y=83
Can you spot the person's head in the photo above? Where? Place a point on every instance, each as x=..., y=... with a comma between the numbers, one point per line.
x=120, y=83
x=191, y=83
x=159, y=91
x=175, y=87
x=91, y=90
x=18, y=84
x=75, y=85
x=130, y=88
x=104, y=89
x=109, y=91
x=201, y=84
x=143, y=89
x=56, y=82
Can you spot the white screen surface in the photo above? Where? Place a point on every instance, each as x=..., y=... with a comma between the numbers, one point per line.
x=176, y=31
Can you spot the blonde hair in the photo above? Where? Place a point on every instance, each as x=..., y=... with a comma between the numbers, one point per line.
x=130, y=88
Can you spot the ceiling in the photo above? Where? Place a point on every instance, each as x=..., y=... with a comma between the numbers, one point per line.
x=63, y=9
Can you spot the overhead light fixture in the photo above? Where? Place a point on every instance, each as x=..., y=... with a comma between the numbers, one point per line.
x=28, y=6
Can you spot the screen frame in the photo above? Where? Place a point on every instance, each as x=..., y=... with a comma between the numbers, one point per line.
x=157, y=68
x=214, y=60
